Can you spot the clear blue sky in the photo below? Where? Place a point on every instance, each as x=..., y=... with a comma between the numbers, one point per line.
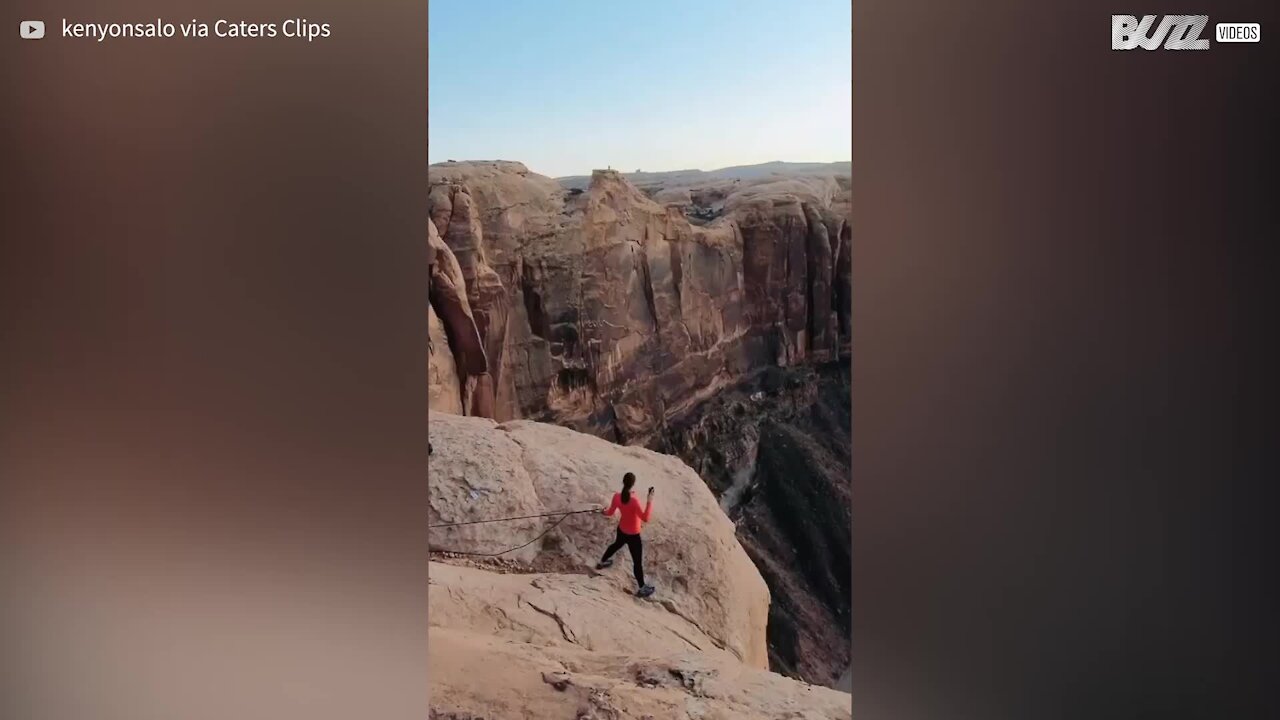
x=566, y=86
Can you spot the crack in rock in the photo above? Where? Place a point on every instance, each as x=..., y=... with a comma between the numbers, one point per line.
x=565, y=630
x=689, y=642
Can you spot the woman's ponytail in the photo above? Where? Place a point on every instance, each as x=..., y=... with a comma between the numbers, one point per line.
x=627, y=481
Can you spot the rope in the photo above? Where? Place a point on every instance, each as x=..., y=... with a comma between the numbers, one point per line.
x=520, y=517
x=563, y=516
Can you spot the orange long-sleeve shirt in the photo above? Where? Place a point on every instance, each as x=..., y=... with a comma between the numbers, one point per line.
x=633, y=516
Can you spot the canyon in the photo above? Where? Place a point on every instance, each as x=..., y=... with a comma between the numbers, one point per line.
x=703, y=315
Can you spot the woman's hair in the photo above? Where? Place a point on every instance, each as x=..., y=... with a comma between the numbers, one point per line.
x=627, y=481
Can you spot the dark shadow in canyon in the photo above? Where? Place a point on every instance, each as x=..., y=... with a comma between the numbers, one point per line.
x=776, y=451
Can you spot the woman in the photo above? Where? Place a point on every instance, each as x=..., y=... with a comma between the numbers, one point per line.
x=629, y=525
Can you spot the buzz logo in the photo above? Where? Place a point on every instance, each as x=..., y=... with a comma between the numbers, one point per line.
x=1177, y=32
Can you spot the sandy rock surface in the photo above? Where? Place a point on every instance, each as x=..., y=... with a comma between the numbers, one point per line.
x=477, y=676
x=596, y=612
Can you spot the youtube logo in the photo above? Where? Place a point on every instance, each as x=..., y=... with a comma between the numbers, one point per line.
x=31, y=29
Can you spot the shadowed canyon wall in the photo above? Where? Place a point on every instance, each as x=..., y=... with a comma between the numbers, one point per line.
x=776, y=451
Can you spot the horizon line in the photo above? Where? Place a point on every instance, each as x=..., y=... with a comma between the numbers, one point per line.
x=648, y=172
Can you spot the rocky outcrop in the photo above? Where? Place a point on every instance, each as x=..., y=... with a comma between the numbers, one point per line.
x=544, y=635
x=481, y=469
x=444, y=385
x=609, y=312
x=457, y=357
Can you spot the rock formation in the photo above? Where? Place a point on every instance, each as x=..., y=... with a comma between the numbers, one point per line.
x=480, y=469
x=606, y=311
x=457, y=357
x=543, y=635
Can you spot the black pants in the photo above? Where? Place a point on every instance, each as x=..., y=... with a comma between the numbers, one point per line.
x=637, y=553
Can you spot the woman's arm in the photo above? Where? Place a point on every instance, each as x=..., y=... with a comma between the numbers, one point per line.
x=648, y=507
x=613, y=507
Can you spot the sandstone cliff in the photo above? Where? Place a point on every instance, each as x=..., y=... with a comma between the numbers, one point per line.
x=630, y=307
x=542, y=634
x=606, y=311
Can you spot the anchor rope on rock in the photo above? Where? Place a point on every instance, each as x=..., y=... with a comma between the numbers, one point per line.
x=564, y=515
x=517, y=517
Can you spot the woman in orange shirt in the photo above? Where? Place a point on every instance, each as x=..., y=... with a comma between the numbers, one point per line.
x=629, y=525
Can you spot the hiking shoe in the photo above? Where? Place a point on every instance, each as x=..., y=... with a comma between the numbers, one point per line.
x=645, y=591
x=604, y=564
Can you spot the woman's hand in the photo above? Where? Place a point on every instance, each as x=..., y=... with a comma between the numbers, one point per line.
x=650, y=491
